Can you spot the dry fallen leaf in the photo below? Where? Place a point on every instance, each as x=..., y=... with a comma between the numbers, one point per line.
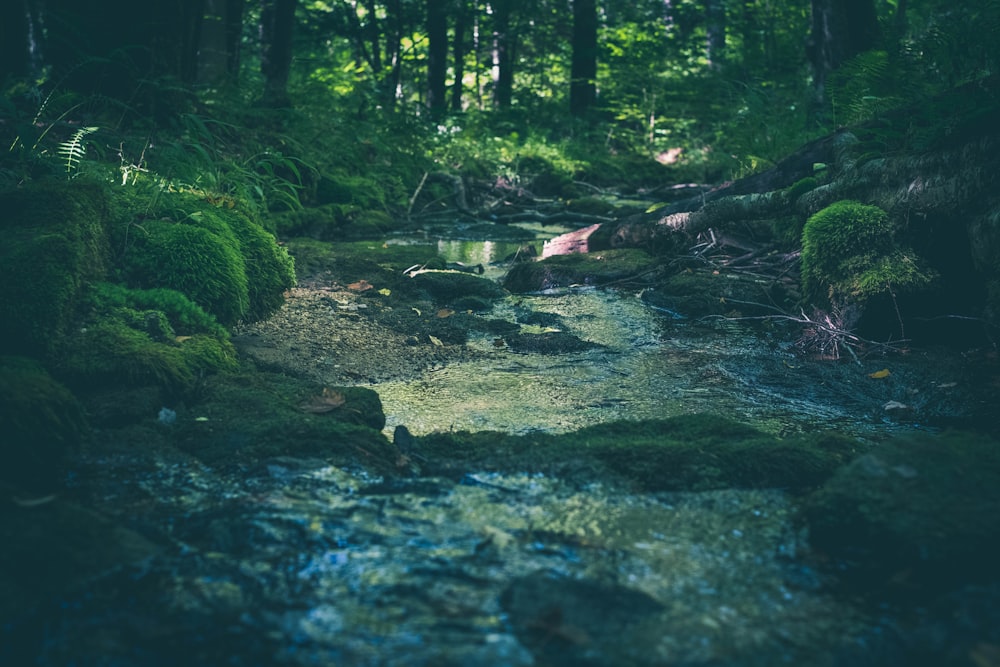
x=328, y=401
x=878, y=375
x=360, y=286
x=445, y=312
x=435, y=340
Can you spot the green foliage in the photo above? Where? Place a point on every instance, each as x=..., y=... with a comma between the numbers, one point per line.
x=800, y=187
x=73, y=150
x=848, y=255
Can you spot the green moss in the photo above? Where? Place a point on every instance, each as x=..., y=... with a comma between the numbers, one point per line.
x=119, y=349
x=260, y=415
x=800, y=187
x=215, y=254
x=40, y=422
x=184, y=316
x=848, y=253
x=54, y=242
x=926, y=504
x=195, y=261
x=691, y=452
x=447, y=287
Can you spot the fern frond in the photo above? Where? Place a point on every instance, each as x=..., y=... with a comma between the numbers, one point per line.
x=73, y=149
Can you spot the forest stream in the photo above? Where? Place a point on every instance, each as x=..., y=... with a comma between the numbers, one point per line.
x=290, y=560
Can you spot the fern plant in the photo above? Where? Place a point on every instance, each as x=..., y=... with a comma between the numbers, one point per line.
x=73, y=149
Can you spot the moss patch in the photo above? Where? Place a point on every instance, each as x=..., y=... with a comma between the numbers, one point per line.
x=848, y=255
x=54, y=242
x=686, y=453
x=925, y=505
x=251, y=416
x=40, y=424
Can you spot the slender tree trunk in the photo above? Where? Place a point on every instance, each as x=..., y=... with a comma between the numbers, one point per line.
x=213, y=43
x=715, y=28
x=374, y=39
x=437, y=56
x=583, y=81
x=458, y=54
x=277, y=21
x=503, y=65
x=393, y=53
x=841, y=29
x=234, y=38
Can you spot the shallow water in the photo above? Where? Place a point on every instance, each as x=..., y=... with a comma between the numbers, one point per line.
x=295, y=562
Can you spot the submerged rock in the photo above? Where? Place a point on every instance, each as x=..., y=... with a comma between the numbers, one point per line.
x=918, y=511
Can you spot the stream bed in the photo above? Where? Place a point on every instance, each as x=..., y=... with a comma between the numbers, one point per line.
x=292, y=561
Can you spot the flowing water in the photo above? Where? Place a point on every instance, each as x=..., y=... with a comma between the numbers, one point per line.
x=295, y=562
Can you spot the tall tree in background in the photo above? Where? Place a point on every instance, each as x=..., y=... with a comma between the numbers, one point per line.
x=277, y=21
x=583, y=74
x=458, y=53
x=503, y=54
x=219, y=42
x=841, y=29
x=715, y=30
x=437, y=56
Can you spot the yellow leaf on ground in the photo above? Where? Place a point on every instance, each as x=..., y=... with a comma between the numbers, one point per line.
x=878, y=375
x=385, y=291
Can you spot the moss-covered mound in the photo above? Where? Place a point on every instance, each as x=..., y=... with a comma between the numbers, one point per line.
x=223, y=261
x=40, y=424
x=54, y=243
x=595, y=268
x=849, y=256
x=701, y=292
x=686, y=453
x=925, y=505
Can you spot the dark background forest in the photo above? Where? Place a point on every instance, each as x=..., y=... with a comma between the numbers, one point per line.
x=715, y=89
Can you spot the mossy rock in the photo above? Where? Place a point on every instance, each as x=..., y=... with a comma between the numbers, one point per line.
x=252, y=416
x=685, y=453
x=594, y=268
x=41, y=423
x=47, y=551
x=218, y=257
x=927, y=505
x=447, y=287
x=54, y=242
x=699, y=293
x=848, y=255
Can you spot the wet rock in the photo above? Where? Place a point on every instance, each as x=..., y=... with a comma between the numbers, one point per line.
x=572, y=622
x=916, y=512
x=41, y=423
x=553, y=342
x=447, y=286
x=598, y=268
x=50, y=549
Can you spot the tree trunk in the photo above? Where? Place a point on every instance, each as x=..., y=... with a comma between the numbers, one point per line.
x=213, y=43
x=503, y=65
x=841, y=29
x=437, y=57
x=234, y=38
x=374, y=39
x=583, y=81
x=277, y=21
x=715, y=28
x=458, y=54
